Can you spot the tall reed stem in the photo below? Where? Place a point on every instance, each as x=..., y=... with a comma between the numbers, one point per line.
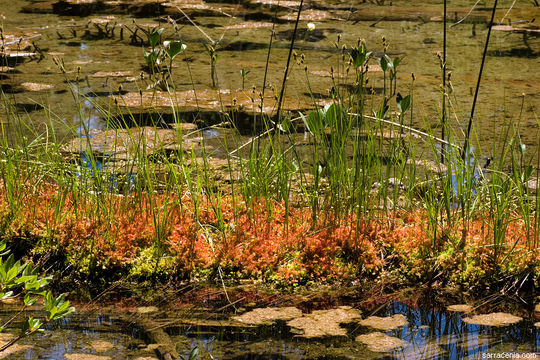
x=467, y=136
x=443, y=85
x=288, y=61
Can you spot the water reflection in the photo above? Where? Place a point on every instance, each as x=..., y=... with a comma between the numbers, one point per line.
x=439, y=335
x=429, y=334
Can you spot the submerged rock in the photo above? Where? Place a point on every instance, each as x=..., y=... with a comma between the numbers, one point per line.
x=493, y=319
x=532, y=185
x=380, y=342
x=16, y=48
x=126, y=143
x=431, y=350
x=147, y=309
x=322, y=323
x=248, y=25
x=86, y=357
x=308, y=15
x=209, y=100
x=102, y=74
x=100, y=346
x=15, y=348
x=29, y=86
x=268, y=315
x=6, y=69
x=464, y=308
x=385, y=323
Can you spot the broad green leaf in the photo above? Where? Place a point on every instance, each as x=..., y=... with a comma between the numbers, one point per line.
x=403, y=103
x=154, y=37
x=336, y=117
x=5, y=295
x=29, y=300
x=315, y=121
x=26, y=279
x=360, y=56
x=151, y=58
x=285, y=125
x=385, y=62
x=175, y=48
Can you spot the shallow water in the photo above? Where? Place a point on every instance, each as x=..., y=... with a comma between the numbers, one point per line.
x=429, y=335
x=512, y=70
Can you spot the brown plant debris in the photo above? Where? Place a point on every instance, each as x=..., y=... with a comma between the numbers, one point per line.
x=322, y=323
x=268, y=315
x=385, y=323
x=464, y=308
x=380, y=342
x=493, y=319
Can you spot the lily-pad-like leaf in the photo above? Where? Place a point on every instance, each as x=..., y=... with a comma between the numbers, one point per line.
x=174, y=48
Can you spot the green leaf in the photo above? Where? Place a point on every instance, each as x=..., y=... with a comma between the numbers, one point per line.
x=11, y=274
x=175, y=48
x=34, y=324
x=315, y=122
x=385, y=62
x=403, y=103
x=381, y=113
x=5, y=295
x=26, y=279
x=29, y=300
x=151, y=58
x=336, y=118
x=194, y=353
x=285, y=125
x=360, y=56
x=154, y=37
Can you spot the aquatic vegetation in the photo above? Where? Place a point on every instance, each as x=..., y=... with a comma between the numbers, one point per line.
x=268, y=315
x=160, y=56
x=494, y=319
x=260, y=240
x=380, y=342
x=384, y=323
x=22, y=280
x=339, y=189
